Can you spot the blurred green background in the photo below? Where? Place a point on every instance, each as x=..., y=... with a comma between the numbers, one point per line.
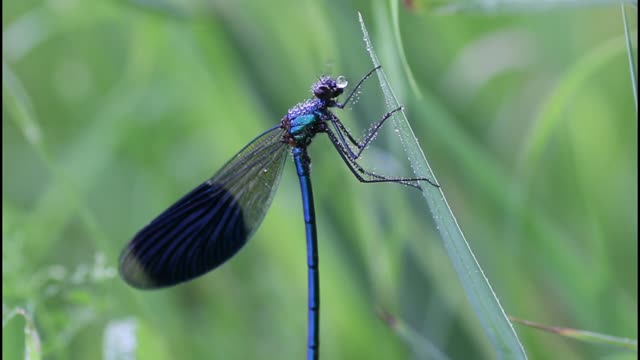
x=114, y=109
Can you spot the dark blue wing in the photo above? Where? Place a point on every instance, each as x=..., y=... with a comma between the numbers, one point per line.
x=211, y=223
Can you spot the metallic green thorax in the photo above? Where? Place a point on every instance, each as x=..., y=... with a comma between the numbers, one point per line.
x=301, y=126
x=305, y=120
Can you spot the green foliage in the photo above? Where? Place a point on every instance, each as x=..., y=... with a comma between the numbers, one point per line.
x=113, y=110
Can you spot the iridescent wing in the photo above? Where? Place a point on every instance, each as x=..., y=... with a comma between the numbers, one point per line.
x=211, y=223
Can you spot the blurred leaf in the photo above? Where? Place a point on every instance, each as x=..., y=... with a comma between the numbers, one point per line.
x=582, y=335
x=632, y=62
x=493, y=6
x=119, y=340
x=149, y=343
x=422, y=347
x=550, y=115
x=16, y=98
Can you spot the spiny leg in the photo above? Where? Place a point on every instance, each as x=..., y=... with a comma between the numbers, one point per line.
x=358, y=171
x=342, y=105
x=361, y=145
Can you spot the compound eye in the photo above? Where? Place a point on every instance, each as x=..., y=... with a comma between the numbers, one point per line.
x=322, y=91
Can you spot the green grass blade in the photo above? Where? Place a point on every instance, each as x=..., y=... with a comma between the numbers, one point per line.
x=403, y=56
x=32, y=342
x=482, y=298
x=632, y=62
x=582, y=335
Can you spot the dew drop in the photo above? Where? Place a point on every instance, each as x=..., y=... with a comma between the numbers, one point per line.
x=342, y=82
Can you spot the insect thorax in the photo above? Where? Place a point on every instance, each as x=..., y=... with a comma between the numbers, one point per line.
x=303, y=120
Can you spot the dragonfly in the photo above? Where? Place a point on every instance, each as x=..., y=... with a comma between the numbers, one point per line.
x=210, y=224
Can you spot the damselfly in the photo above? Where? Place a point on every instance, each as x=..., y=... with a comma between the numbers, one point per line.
x=210, y=224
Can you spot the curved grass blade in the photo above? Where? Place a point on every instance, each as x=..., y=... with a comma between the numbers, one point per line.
x=482, y=298
x=211, y=223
